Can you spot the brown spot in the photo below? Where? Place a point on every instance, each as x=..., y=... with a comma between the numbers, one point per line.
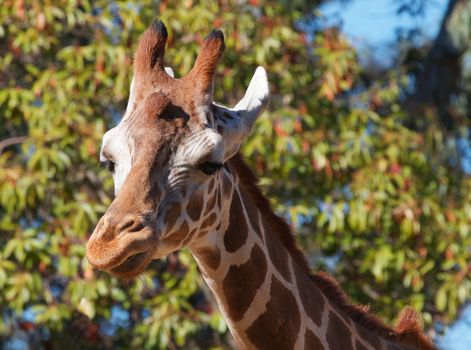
x=278, y=256
x=208, y=221
x=338, y=334
x=191, y=235
x=278, y=326
x=177, y=237
x=242, y=282
x=172, y=215
x=360, y=346
x=220, y=129
x=369, y=337
x=279, y=225
x=252, y=211
x=210, y=204
x=195, y=205
x=311, y=341
x=184, y=229
x=211, y=257
x=237, y=232
x=202, y=233
x=311, y=297
x=226, y=186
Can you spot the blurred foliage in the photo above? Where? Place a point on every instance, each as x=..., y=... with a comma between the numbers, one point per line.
x=385, y=208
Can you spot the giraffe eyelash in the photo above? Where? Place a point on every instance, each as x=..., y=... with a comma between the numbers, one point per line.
x=108, y=164
x=210, y=168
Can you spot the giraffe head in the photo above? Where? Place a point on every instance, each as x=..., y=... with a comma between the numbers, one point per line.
x=165, y=155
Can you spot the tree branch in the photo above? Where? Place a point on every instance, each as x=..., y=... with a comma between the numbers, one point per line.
x=442, y=72
x=11, y=141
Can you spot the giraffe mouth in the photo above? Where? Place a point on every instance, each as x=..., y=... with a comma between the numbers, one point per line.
x=132, y=266
x=125, y=253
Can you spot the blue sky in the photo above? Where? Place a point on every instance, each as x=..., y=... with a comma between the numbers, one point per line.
x=458, y=336
x=371, y=26
x=374, y=21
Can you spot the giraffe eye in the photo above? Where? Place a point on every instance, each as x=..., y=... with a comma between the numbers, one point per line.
x=108, y=164
x=210, y=168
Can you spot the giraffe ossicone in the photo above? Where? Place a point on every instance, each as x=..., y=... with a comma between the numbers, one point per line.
x=181, y=182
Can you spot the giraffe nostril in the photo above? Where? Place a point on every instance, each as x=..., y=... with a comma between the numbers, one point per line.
x=125, y=224
x=137, y=227
x=130, y=224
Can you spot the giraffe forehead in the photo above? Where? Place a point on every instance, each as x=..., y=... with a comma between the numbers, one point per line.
x=136, y=137
x=165, y=114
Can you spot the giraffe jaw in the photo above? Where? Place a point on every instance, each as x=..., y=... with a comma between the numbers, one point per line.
x=133, y=266
x=136, y=264
x=127, y=254
x=130, y=266
x=124, y=255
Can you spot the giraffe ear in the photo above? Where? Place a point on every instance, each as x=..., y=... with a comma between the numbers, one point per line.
x=255, y=99
x=235, y=124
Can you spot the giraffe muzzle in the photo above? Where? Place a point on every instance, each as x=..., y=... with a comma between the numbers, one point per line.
x=123, y=248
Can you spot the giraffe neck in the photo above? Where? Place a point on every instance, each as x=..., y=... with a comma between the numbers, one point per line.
x=237, y=266
x=268, y=300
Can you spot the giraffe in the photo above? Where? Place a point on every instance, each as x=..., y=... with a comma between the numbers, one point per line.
x=180, y=181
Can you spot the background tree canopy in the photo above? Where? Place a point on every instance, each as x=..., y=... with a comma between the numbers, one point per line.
x=366, y=164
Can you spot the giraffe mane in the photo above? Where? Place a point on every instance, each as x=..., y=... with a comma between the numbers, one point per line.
x=408, y=330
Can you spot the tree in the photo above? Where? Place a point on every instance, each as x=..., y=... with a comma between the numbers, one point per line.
x=442, y=76
x=375, y=202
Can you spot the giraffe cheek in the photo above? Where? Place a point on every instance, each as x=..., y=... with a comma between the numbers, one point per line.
x=171, y=216
x=209, y=222
x=195, y=205
x=211, y=257
x=175, y=239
